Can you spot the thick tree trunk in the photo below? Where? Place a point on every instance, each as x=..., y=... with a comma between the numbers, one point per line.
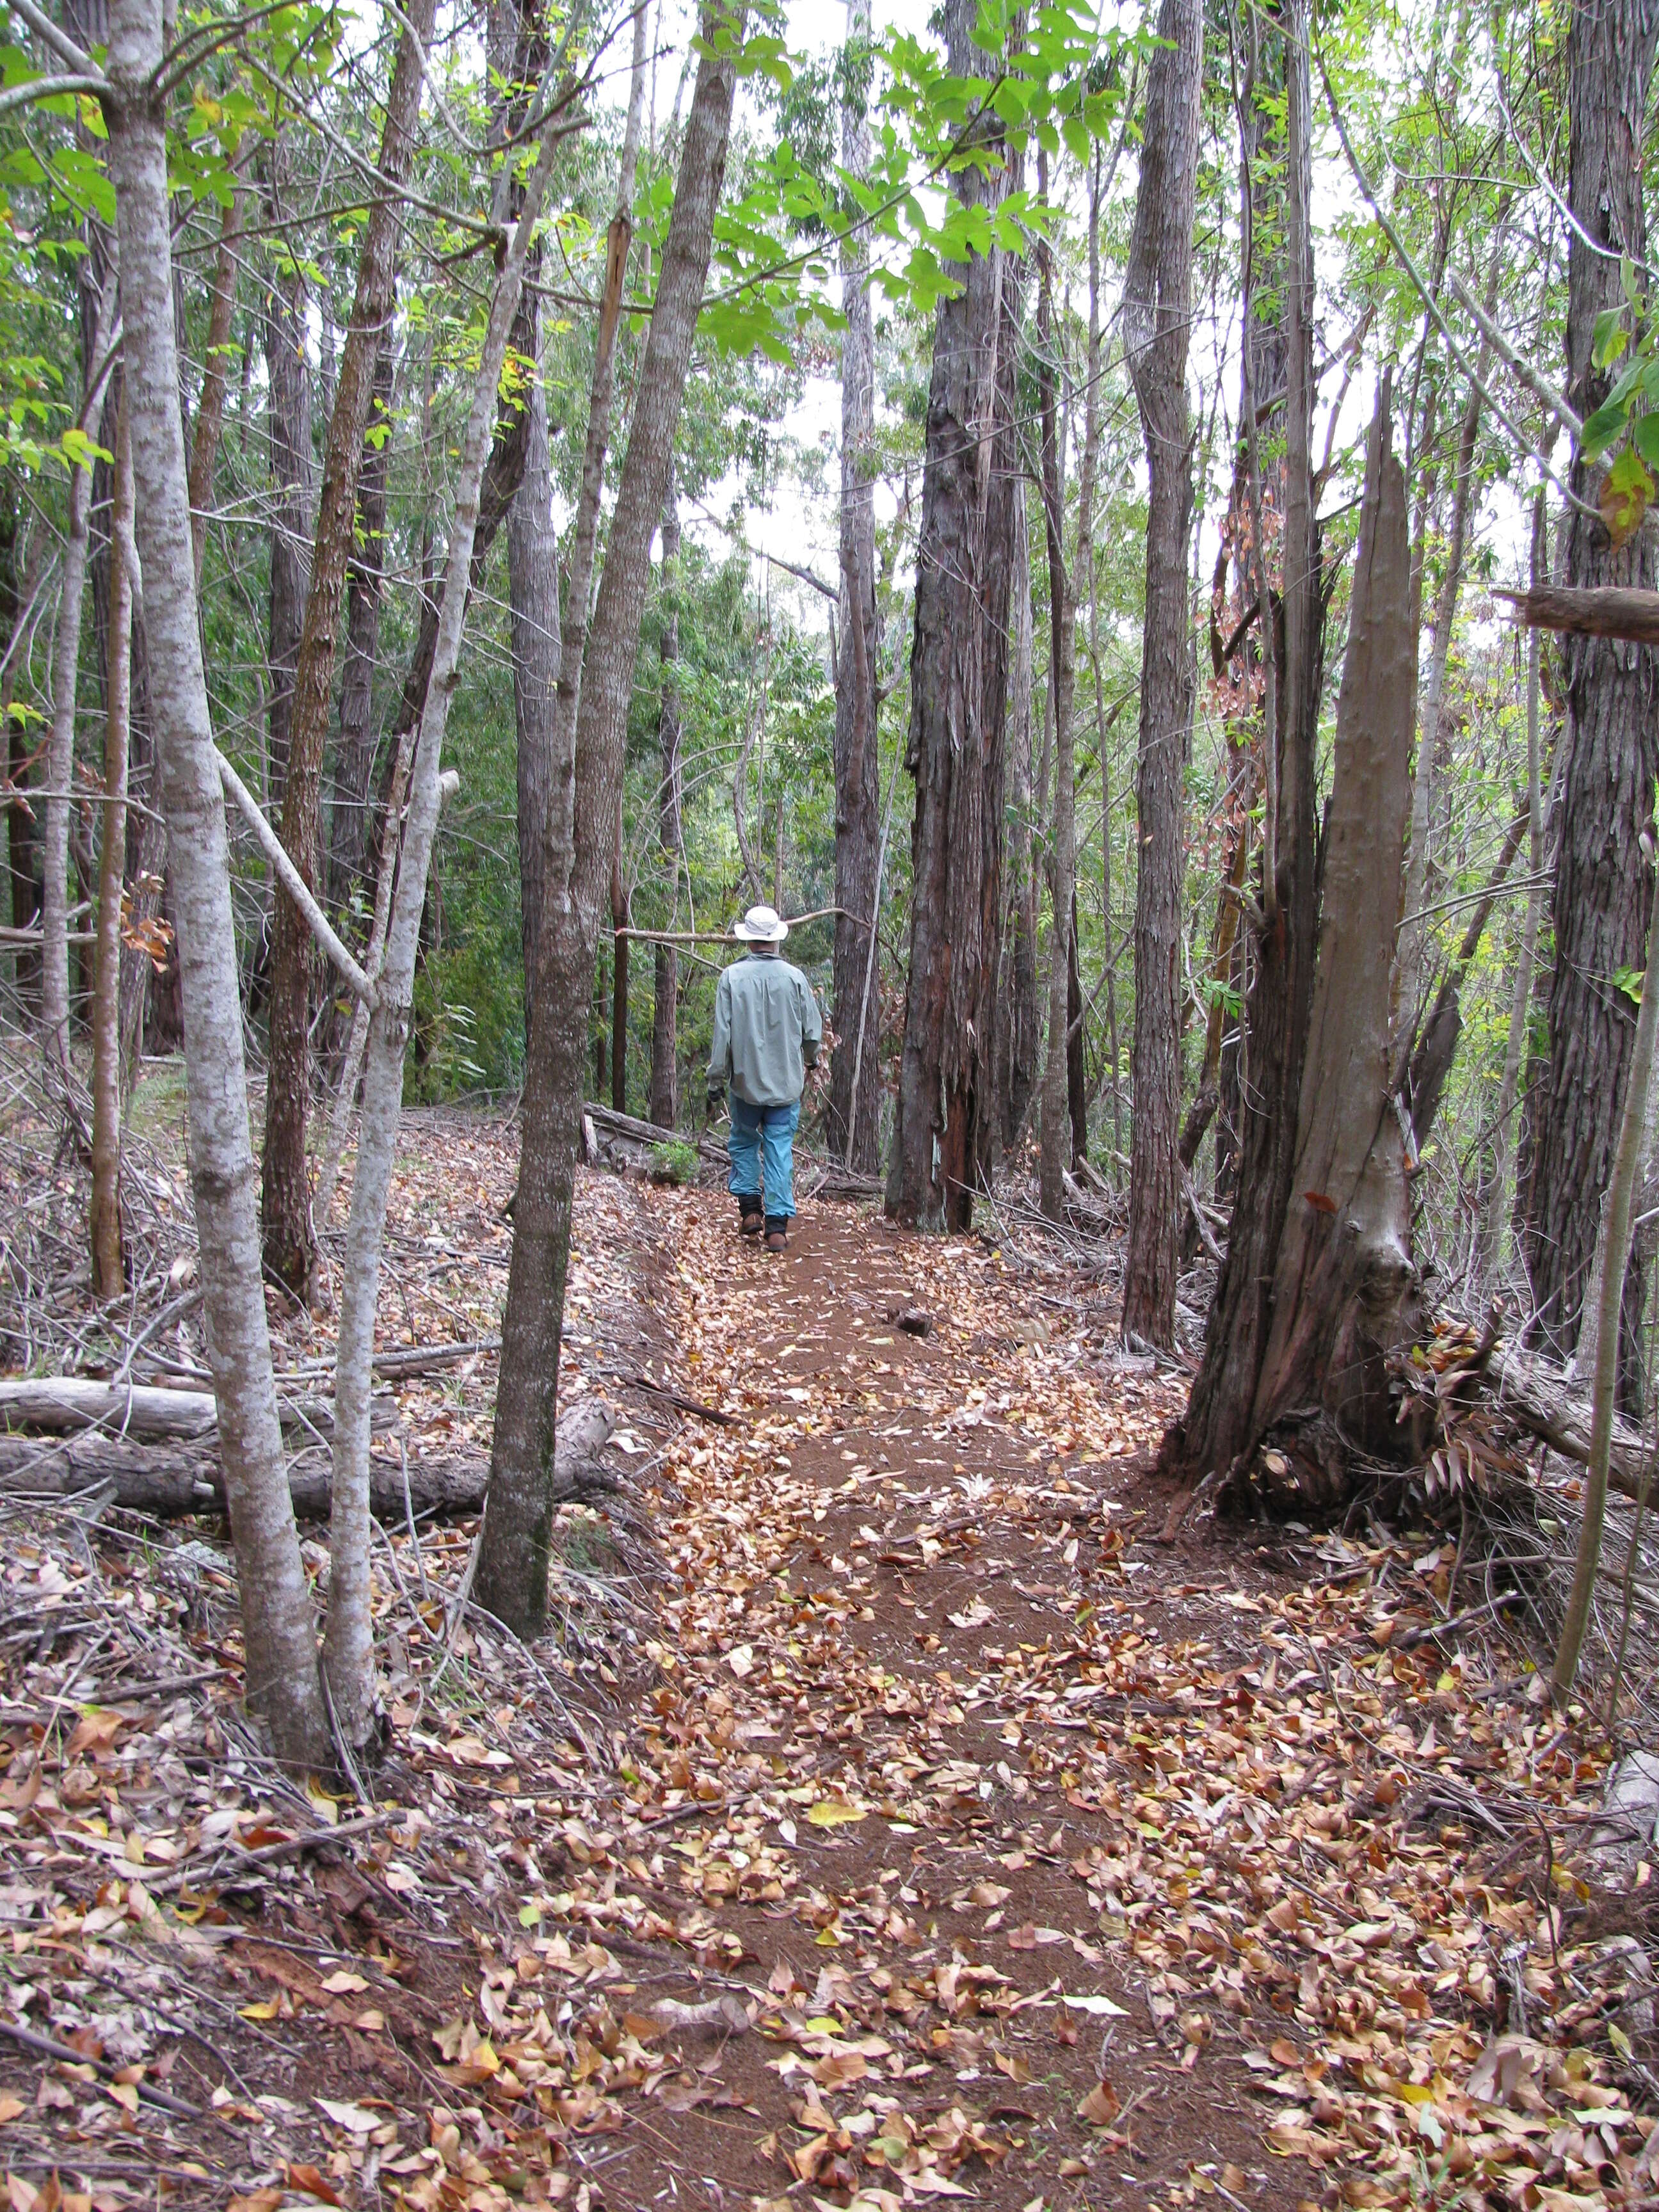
x=60, y=744
x=532, y=576
x=664, y=1038
x=857, y=767
x=512, y=1563
x=289, y=1236
x=1603, y=888
x=108, y=1267
x=946, y=1091
x=1157, y=310
x=1217, y=1425
x=1055, y=1154
x=283, y=1681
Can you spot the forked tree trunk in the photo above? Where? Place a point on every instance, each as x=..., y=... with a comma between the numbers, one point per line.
x=1603, y=887
x=943, y=1136
x=515, y=1550
x=348, y=1648
x=1157, y=311
x=289, y=1235
x=857, y=767
x=1055, y=1157
x=60, y=746
x=665, y=1036
x=282, y=1682
x=1216, y=1426
x=108, y=1258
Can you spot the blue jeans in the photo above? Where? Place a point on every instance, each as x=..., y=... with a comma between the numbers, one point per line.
x=762, y=1149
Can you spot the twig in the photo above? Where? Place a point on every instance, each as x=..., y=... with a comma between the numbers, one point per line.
x=48, y=2047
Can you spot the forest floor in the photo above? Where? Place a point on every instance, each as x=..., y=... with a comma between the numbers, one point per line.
x=894, y=1816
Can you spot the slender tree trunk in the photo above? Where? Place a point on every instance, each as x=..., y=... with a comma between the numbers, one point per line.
x=1019, y=1020
x=533, y=573
x=1157, y=309
x=108, y=1257
x=512, y=1564
x=618, y=970
x=289, y=1236
x=349, y=1650
x=60, y=745
x=665, y=1042
x=354, y=772
x=946, y=1081
x=1493, y=1195
x=1603, y=887
x=288, y=307
x=857, y=767
x=282, y=1677
x=1077, y=1081
x=1218, y=1423
x=210, y=411
x=1055, y=1151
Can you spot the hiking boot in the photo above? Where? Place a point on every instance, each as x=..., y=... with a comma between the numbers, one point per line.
x=777, y=1233
x=749, y=1216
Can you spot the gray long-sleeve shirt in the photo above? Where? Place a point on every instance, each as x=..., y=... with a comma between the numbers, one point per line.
x=768, y=1029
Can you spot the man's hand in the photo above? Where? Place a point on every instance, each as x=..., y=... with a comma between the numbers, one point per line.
x=716, y=1100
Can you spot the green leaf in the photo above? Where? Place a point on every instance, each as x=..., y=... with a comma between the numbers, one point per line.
x=1604, y=427
x=1609, y=338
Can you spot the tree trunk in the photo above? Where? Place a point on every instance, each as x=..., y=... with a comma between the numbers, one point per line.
x=60, y=744
x=665, y=1040
x=210, y=410
x=1493, y=1196
x=1340, y=1299
x=946, y=1088
x=289, y=1236
x=1077, y=1081
x=283, y=1681
x=1054, y=1155
x=108, y=1258
x=618, y=973
x=1019, y=1019
x=348, y=1650
x=354, y=765
x=858, y=766
x=513, y=1555
x=1603, y=887
x=288, y=307
x=1157, y=310
x=532, y=574
x=1217, y=1425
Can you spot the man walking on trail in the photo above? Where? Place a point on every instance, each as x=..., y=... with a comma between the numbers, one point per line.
x=768, y=1029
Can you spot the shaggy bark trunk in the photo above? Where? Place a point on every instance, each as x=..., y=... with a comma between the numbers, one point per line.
x=664, y=1038
x=1603, y=887
x=288, y=307
x=282, y=1681
x=1157, y=311
x=1341, y=1294
x=946, y=1090
x=60, y=744
x=1494, y=1201
x=857, y=763
x=108, y=1257
x=354, y=770
x=533, y=573
x=289, y=1235
x=349, y=1649
x=1054, y=1155
x=1218, y=1423
x=513, y=1554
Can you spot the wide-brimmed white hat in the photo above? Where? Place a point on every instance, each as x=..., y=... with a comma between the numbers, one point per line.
x=761, y=925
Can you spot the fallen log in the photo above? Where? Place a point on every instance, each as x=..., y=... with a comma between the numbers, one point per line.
x=1540, y=1398
x=63, y=1403
x=167, y=1479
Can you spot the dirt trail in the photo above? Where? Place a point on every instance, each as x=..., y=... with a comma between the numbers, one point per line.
x=1074, y=1867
